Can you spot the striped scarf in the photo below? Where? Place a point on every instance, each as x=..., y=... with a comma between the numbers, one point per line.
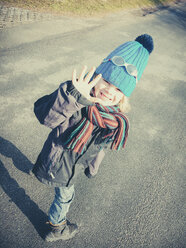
x=112, y=123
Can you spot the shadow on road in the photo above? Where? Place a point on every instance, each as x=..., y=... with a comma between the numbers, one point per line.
x=178, y=14
x=17, y=194
x=20, y=161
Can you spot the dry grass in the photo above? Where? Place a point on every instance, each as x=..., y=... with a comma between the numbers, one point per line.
x=84, y=7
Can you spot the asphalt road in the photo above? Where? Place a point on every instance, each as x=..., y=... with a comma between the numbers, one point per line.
x=137, y=200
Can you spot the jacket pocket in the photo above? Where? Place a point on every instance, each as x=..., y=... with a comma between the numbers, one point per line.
x=54, y=160
x=63, y=169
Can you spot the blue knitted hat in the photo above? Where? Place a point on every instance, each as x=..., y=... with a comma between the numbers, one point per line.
x=133, y=52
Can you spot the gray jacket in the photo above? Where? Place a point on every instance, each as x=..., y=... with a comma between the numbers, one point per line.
x=60, y=111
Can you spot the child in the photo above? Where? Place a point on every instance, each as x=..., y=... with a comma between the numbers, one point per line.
x=85, y=115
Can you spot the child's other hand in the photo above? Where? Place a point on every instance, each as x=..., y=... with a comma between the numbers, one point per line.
x=83, y=84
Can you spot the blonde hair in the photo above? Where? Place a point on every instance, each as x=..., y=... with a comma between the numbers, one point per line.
x=124, y=105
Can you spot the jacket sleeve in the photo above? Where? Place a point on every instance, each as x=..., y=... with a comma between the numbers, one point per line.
x=95, y=163
x=54, y=109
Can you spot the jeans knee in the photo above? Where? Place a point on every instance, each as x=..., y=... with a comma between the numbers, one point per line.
x=64, y=195
x=61, y=199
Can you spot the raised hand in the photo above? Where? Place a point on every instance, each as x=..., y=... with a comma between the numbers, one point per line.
x=83, y=84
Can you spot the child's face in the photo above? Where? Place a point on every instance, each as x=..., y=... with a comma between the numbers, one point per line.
x=107, y=93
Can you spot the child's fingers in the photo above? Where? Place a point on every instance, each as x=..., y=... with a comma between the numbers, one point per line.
x=90, y=74
x=74, y=76
x=95, y=80
x=81, y=76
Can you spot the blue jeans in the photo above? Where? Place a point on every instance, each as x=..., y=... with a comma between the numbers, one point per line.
x=60, y=206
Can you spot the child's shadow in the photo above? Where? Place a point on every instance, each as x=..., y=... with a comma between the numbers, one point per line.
x=17, y=194
x=20, y=161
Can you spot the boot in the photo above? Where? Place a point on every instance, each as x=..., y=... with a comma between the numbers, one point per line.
x=64, y=231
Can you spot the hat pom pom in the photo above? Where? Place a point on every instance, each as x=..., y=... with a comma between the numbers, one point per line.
x=147, y=42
